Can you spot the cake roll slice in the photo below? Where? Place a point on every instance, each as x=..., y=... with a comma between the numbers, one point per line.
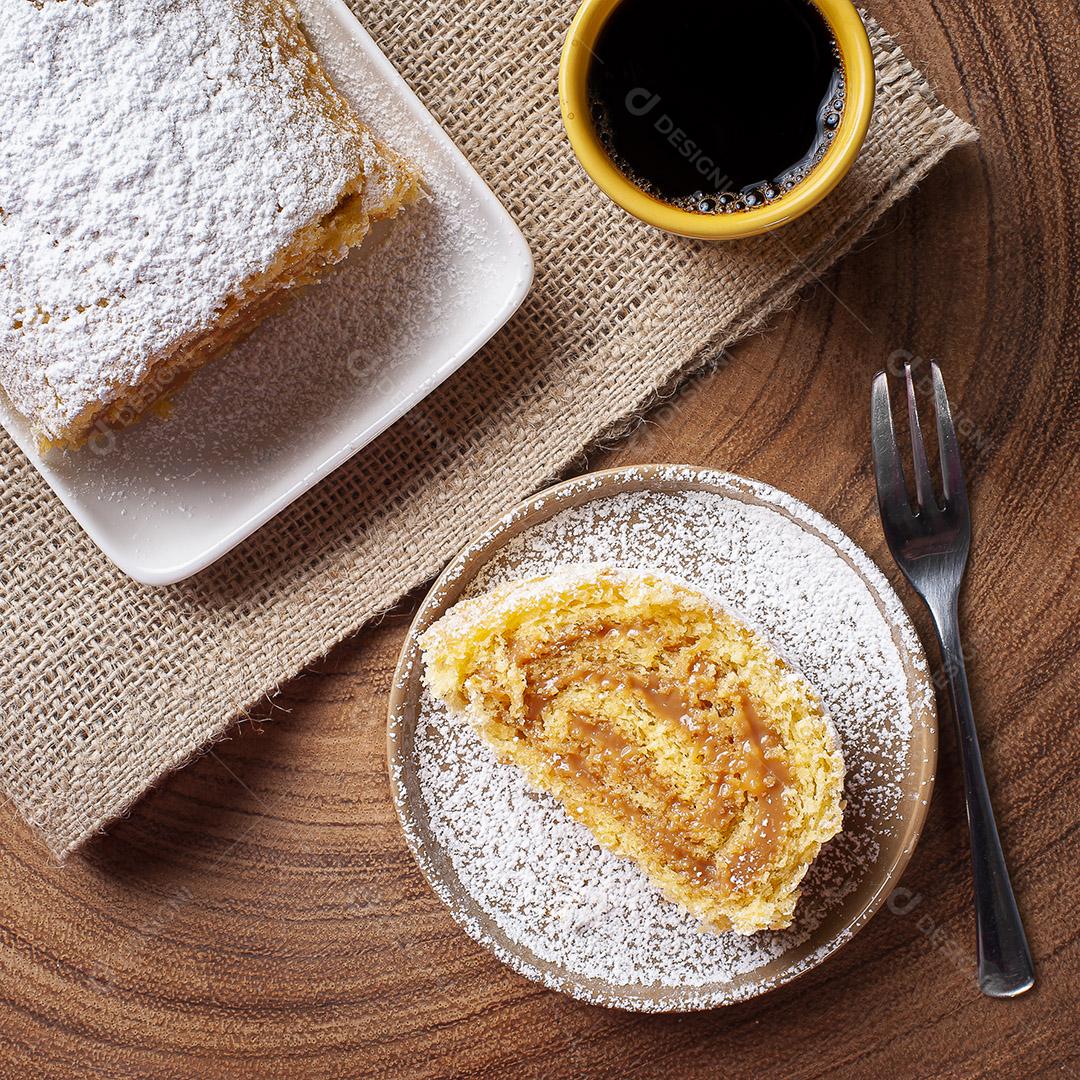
x=169, y=171
x=663, y=724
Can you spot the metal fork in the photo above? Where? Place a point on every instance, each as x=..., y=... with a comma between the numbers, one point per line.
x=931, y=547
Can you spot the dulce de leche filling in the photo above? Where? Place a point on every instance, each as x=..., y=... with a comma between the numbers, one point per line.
x=600, y=763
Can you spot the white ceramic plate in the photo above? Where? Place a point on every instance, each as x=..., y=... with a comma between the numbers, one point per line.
x=311, y=387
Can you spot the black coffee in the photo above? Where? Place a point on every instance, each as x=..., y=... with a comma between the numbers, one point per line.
x=713, y=105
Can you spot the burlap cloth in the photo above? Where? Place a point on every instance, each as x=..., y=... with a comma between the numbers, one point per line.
x=106, y=684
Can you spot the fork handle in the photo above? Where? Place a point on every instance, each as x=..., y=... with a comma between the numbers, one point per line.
x=1005, y=966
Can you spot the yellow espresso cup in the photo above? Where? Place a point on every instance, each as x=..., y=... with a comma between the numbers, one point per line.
x=857, y=60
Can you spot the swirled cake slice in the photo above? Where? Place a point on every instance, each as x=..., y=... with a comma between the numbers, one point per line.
x=663, y=724
x=169, y=169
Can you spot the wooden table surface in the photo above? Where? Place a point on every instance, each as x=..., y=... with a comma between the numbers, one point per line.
x=259, y=915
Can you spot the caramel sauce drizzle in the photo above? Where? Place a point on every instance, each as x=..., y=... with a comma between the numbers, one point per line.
x=743, y=765
x=763, y=778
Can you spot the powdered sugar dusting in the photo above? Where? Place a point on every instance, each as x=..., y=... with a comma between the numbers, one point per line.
x=155, y=155
x=543, y=893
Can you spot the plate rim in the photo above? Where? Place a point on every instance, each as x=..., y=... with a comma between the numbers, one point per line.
x=519, y=255
x=477, y=552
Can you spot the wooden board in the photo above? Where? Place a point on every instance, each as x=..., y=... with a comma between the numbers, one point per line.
x=260, y=914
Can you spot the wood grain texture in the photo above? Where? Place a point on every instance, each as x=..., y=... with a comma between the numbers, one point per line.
x=259, y=915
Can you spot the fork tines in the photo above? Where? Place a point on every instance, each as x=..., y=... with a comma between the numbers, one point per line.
x=892, y=490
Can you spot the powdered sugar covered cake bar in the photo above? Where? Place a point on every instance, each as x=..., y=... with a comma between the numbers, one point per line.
x=169, y=169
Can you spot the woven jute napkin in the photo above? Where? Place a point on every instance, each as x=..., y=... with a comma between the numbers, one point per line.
x=106, y=684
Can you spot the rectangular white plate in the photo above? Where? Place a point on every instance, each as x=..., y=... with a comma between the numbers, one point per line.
x=312, y=386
